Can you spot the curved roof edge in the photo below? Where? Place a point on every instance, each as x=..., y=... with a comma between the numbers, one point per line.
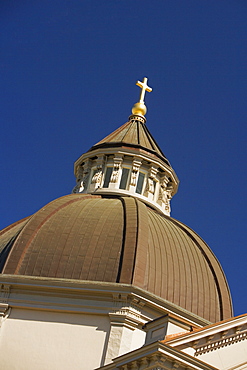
x=226, y=307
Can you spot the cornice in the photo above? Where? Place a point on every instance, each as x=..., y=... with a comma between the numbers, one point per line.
x=89, y=297
x=128, y=151
x=156, y=356
x=220, y=343
x=215, y=336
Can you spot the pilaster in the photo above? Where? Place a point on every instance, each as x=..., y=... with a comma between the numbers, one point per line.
x=124, y=320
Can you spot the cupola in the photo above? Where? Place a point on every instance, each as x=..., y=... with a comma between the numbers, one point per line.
x=129, y=162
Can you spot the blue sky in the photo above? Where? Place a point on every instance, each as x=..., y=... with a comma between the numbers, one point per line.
x=68, y=73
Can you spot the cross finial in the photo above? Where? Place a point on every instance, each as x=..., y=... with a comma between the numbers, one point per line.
x=144, y=87
x=140, y=109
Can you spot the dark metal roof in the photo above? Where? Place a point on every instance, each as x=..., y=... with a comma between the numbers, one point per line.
x=132, y=133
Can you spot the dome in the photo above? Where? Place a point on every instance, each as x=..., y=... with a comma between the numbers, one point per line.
x=116, y=228
x=121, y=240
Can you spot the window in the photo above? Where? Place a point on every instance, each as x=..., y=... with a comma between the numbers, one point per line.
x=124, y=178
x=107, y=177
x=140, y=182
x=154, y=184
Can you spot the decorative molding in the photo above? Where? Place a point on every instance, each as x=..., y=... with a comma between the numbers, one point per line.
x=220, y=343
x=156, y=356
x=149, y=187
x=122, y=299
x=135, y=168
x=150, y=181
x=136, y=117
x=137, y=303
x=144, y=362
x=4, y=307
x=4, y=293
x=82, y=173
x=151, y=362
x=79, y=175
x=97, y=177
x=67, y=295
x=117, y=157
x=127, y=311
x=165, y=194
x=4, y=298
x=127, y=317
x=79, y=172
x=117, y=163
x=86, y=172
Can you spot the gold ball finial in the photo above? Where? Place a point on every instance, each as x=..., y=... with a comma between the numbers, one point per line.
x=140, y=107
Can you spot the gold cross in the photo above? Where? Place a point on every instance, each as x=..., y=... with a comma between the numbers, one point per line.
x=144, y=87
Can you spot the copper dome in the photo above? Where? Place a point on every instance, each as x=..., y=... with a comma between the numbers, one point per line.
x=118, y=239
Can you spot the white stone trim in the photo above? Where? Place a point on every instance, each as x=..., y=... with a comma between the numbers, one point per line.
x=68, y=295
x=141, y=161
x=238, y=323
x=223, y=342
x=156, y=356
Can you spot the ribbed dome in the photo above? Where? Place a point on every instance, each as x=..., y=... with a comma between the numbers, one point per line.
x=118, y=239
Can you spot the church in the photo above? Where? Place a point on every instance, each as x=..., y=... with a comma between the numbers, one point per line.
x=105, y=279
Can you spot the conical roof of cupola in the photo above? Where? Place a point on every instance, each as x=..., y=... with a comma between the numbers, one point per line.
x=132, y=133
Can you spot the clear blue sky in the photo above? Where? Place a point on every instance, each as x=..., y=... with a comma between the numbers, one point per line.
x=68, y=73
